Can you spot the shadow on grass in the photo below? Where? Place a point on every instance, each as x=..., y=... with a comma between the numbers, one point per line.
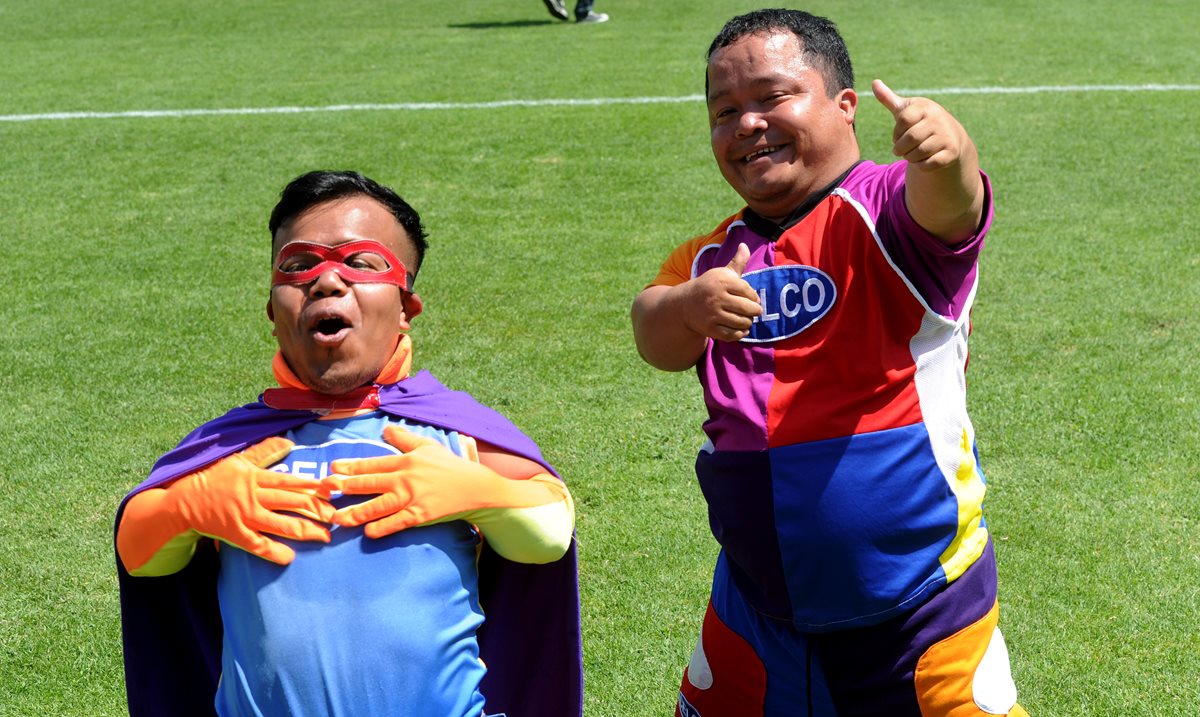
x=506, y=24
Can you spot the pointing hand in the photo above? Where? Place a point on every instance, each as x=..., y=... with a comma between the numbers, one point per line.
x=926, y=135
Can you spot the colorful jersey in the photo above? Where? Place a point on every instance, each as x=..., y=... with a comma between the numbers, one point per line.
x=840, y=471
x=411, y=601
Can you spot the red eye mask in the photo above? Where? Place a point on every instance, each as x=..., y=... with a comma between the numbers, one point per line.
x=365, y=261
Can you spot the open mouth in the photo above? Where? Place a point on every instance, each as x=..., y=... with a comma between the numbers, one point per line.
x=330, y=329
x=761, y=153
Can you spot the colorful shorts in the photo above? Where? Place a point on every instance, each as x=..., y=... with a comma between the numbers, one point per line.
x=944, y=659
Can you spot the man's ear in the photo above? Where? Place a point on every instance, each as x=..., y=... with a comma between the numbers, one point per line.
x=847, y=102
x=412, y=308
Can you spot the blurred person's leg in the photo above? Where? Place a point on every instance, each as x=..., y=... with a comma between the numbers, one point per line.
x=557, y=9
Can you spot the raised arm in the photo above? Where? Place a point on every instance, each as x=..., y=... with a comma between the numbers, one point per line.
x=944, y=191
x=672, y=324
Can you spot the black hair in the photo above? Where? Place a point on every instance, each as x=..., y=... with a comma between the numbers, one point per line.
x=819, y=39
x=313, y=188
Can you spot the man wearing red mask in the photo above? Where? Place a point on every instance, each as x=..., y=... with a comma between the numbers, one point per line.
x=386, y=546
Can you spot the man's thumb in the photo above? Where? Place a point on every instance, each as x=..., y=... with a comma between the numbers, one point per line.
x=888, y=98
x=404, y=439
x=268, y=452
x=740, y=259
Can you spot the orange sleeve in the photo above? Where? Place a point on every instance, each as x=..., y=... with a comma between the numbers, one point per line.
x=678, y=266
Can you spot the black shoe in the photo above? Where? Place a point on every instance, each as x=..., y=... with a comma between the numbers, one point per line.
x=557, y=9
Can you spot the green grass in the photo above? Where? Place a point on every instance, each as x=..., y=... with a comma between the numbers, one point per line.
x=135, y=277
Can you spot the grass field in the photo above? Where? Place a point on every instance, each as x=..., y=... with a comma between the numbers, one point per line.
x=136, y=274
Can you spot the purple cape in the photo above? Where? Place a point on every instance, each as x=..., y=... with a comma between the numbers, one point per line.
x=530, y=638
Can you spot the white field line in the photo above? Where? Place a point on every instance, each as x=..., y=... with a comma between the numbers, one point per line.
x=568, y=102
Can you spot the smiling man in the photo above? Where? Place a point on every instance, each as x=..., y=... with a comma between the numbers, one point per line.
x=828, y=321
x=387, y=546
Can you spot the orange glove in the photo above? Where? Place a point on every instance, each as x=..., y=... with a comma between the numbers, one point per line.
x=235, y=500
x=429, y=484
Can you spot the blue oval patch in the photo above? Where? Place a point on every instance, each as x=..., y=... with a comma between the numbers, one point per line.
x=793, y=298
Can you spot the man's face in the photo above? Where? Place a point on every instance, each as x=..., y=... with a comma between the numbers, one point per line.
x=777, y=135
x=337, y=335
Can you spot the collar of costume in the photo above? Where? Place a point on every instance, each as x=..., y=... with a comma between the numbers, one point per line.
x=293, y=395
x=333, y=258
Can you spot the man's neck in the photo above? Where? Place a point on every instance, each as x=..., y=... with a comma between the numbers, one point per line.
x=774, y=227
x=396, y=369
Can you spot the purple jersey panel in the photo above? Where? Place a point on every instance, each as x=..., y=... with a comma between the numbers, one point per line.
x=943, y=275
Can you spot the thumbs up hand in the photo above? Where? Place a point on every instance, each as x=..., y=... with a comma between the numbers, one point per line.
x=944, y=190
x=926, y=135
x=721, y=304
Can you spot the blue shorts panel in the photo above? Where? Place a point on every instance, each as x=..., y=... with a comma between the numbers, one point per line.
x=748, y=665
